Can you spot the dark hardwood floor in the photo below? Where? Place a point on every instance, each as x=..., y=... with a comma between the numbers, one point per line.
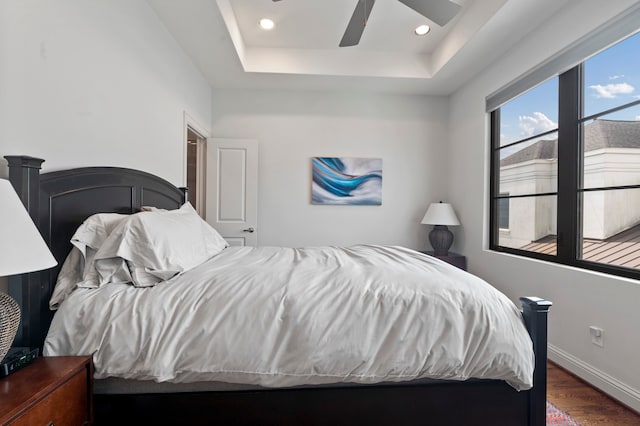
x=583, y=402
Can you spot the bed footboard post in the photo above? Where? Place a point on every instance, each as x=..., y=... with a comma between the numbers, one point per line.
x=185, y=193
x=24, y=175
x=535, y=312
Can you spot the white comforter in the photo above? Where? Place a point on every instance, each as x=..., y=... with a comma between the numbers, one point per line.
x=275, y=317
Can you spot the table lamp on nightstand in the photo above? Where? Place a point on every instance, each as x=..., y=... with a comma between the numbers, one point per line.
x=22, y=250
x=440, y=215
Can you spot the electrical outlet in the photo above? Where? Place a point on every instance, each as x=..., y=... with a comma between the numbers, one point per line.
x=597, y=336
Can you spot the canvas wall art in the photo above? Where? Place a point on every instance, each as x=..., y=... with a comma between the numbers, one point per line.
x=347, y=181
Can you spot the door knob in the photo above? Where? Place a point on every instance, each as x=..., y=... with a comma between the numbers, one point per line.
x=249, y=230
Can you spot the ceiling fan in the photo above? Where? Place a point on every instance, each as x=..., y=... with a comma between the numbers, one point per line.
x=438, y=11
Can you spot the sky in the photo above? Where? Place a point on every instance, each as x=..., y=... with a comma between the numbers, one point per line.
x=612, y=78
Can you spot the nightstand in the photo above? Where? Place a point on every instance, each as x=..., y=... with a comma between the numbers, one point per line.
x=453, y=258
x=49, y=391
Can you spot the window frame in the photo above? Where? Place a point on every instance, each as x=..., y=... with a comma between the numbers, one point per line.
x=570, y=188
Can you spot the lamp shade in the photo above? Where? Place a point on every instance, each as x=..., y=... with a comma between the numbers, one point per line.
x=22, y=248
x=440, y=214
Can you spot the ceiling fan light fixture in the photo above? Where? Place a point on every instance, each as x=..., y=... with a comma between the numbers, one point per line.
x=439, y=12
x=422, y=29
x=266, y=24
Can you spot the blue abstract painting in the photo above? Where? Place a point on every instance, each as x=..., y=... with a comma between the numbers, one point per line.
x=347, y=181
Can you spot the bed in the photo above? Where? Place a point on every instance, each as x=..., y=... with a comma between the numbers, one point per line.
x=380, y=385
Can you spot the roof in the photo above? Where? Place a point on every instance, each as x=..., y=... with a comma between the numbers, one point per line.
x=597, y=134
x=622, y=249
x=612, y=134
x=543, y=149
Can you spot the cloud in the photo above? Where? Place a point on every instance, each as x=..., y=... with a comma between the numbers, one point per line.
x=538, y=123
x=506, y=139
x=615, y=77
x=610, y=91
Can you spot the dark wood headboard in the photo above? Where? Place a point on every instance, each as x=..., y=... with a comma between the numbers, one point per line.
x=58, y=203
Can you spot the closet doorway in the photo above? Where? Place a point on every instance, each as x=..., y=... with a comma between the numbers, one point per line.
x=197, y=170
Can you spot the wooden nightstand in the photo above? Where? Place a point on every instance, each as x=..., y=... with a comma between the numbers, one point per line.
x=50, y=391
x=453, y=258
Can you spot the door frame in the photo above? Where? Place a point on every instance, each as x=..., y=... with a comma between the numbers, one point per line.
x=193, y=124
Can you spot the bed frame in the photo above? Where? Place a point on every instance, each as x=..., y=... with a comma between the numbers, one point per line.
x=59, y=201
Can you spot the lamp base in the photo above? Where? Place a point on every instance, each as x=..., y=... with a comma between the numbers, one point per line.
x=9, y=322
x=441, y=239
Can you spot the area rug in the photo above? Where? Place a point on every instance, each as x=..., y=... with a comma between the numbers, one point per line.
x=557, y=417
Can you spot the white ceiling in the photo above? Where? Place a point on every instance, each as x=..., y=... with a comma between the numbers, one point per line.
x=223, y=39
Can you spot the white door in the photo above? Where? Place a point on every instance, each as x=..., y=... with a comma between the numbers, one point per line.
x=232, y=190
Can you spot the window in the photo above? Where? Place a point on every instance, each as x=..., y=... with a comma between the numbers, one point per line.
x=565, y=166
x=526, y=149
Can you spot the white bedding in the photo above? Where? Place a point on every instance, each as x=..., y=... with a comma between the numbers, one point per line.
x=275, y=317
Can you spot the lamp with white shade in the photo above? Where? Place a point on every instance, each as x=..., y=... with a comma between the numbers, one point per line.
x=440, y=215
x=22, y=250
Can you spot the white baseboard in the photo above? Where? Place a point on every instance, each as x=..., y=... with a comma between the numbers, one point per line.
x=607, y=384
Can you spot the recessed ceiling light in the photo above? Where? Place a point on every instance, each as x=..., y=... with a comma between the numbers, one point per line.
x=422, y=30
x=266, y=24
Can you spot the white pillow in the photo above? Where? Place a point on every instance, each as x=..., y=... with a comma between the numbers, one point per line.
x=78, y=269
x=95, y=230
x=118, y=270
x=89, y=237
x=162, y=243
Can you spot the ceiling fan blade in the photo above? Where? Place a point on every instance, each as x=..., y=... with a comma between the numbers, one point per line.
x=438, y=11
x=357, y=23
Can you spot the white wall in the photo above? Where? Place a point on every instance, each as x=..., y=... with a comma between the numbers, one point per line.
x=580, y=298
x=607, y=213
x=407, y=132
x=530, y=218
x=99, y=82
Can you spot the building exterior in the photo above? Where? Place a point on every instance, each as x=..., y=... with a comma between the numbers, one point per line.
x=611, y=158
